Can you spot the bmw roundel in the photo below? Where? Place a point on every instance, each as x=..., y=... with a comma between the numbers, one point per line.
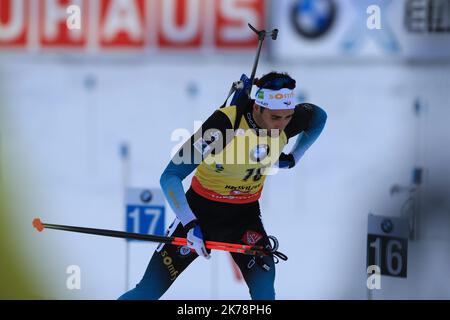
x=259, y=152
x=387, y=226
x=313, y=18
x=184, y=251
x=146, y=196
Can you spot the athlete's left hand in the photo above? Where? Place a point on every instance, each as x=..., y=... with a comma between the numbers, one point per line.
x=286, y=161
x=195, y=241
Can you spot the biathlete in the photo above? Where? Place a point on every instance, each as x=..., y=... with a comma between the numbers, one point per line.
x=232, y=153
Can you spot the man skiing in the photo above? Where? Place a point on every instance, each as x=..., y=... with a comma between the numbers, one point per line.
x=232, y=154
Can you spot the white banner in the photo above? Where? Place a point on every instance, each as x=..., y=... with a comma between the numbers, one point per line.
x=402, y=29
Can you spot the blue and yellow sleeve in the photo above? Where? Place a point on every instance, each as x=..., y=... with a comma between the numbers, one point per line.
x=176, y=171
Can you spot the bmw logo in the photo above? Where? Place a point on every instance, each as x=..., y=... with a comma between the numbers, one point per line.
x=146, y=196
x=184, y=251
x=313, y=18
x=259, y=152
x=219, y=168
x=387, y=226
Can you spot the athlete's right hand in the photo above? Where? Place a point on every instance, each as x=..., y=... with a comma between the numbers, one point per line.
x=195, y=240
x=286, y=161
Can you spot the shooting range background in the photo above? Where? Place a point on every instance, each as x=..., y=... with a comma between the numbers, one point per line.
x=63, y=117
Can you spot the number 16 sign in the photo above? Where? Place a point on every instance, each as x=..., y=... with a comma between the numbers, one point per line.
x=145, y=211
x=387, y=245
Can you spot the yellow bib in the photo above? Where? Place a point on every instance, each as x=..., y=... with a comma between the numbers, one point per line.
x=237, y=173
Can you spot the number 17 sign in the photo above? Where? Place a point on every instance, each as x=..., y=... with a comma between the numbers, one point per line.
x=145, y=211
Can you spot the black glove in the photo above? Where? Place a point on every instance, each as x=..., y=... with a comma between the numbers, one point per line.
x=286, y=161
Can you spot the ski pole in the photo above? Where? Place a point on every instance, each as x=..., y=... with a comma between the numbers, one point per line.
x=237, y=85
x=215, y=245
x=262, y=34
